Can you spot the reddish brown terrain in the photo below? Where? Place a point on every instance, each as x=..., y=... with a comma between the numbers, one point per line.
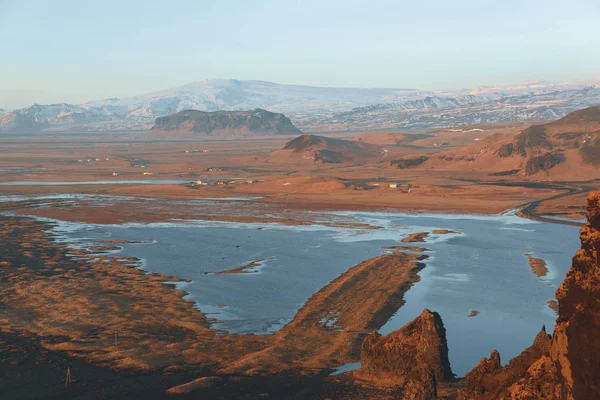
x=458, y=170
x=566, y=149
x=124, y=333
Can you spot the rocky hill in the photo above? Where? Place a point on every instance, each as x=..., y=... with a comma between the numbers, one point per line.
x=568, y=148
x=326, y=150
x=544, y=146
x=224, y=123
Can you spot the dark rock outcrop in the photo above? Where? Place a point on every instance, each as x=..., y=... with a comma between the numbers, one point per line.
x=590, y=151
x=506, y=150
x=403, y=163
x=532, y=140
x=229, y=123
x=566, y=366
x=416, y=356
x=542, y=163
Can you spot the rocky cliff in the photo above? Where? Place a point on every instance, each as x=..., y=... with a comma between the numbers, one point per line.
x=415, y=356
x=225, y=123
x=566, y=366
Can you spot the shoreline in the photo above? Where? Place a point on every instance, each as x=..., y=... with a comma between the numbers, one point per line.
x=524, y=210
x=267, y=354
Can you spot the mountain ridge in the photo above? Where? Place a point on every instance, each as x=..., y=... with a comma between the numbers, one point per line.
x=314, y=108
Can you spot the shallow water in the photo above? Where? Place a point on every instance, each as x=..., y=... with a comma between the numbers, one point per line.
x=484, y=269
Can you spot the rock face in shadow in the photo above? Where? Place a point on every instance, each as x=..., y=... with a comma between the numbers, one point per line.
x=404, y=163
x=416, y=356
x=226, y=123
x=542, y=163
x=566, y=366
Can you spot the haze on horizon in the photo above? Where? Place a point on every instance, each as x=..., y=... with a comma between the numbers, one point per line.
x=68, y=51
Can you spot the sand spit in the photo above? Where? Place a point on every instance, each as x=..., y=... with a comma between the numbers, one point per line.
x=421, y=237
x=418, y=237
x=444, y=232
x=328, y=330
x=538, y=265
x=406, y=248
x=249, y=268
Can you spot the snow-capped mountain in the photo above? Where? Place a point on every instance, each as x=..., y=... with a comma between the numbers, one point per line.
x=316, y=108
x=40, y=117
x=231, y=94
x=458, y=111
x=529, y=87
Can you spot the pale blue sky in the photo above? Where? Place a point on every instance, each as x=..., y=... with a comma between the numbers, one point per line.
x=73, y=51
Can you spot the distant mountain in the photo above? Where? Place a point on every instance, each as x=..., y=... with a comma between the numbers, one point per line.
x=40, y=117
x=232, y=95
x=224, y=123
x=317, y=108
x=435, y=111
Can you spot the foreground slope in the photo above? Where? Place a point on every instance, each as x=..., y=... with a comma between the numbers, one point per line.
x=568, y=148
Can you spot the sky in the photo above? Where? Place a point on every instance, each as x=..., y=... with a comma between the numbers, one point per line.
x=73, y=51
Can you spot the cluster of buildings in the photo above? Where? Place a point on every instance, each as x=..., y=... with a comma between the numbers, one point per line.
x=197, y=151
x=146, y=173
x=400, y=187
x=222, y=183
x=91, y=160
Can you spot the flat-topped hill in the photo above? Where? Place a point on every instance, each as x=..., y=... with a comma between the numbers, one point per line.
x=224, y=123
